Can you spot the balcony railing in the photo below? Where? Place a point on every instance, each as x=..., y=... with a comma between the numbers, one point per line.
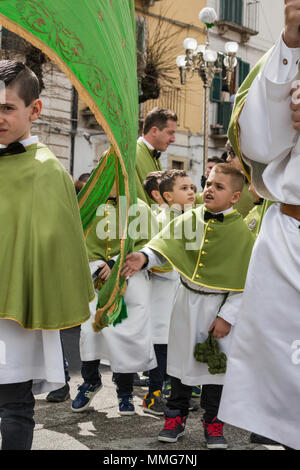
x=169, y=98
x=241, y=16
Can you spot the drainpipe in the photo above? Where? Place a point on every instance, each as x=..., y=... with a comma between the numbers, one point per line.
x=74, y=124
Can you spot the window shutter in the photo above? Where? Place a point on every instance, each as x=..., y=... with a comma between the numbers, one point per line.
x=244, y=69
x=224, y=114
x=216, y=88
x=232, y=10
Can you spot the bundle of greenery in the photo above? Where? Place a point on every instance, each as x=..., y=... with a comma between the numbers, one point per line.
x=209, y=352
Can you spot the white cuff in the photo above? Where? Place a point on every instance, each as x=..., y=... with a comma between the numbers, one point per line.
x=154, y=258
x=231, y=307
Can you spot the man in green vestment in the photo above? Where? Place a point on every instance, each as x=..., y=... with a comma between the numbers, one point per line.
x=158, y=133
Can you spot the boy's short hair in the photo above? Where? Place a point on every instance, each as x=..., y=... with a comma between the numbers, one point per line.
x=84, y=177
x=158, y=117
x=237, y=177
x=151, y=182
x=14, y=73
x=215, y=160
x=168, y=180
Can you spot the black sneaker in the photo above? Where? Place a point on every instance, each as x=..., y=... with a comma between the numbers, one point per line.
x=60, y=395
x=154, y=403
x=213, y=433
x=258, y=439
x=174, y=426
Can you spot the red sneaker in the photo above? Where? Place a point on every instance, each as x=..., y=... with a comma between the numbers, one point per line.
x=174, y=426
x=213, y=433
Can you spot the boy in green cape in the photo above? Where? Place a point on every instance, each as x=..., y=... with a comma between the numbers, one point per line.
x=127, y=345
x=45, y=280
x=210, y=247
x=176, y=189
x=151, y=187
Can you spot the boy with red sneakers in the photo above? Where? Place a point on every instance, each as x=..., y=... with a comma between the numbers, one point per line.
x=177, y=192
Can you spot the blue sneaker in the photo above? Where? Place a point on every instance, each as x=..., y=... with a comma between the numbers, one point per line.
x=126, y=406
x=84, y=397
x=196, y=391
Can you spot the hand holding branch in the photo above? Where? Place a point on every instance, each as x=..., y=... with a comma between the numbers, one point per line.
x=220, y=328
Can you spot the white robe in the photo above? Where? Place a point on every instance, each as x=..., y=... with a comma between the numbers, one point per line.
x=192, y=315
x=31, y=355
x=128, y=345
x=163, y=290
x=262, y=385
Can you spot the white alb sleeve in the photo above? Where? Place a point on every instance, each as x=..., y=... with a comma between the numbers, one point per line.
x=231, y=307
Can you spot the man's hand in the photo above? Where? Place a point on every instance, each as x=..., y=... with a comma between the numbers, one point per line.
x=291, y=35
x=221, y=328
x=133, y=263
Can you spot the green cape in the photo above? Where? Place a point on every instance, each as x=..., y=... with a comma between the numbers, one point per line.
x=104, y=238
x=145, y=163
x=240, y=100
x=166, y=216
x=45, y=277
x=246, y=202
x=256, y=215
x=219, y=254
x=104, y=241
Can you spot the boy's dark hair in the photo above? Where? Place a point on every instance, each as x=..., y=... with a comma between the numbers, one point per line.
x=84, y=177
x=215, y=160
x=237, y=177
x=168, y=179
x=158, y=117
x=14, y=73
x=151, y=182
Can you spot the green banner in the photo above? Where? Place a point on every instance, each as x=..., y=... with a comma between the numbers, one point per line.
x=93, y=42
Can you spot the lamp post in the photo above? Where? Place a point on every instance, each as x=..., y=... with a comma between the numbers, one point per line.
x=206, y=62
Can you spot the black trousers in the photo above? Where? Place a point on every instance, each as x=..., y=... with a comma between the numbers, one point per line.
x=158, y=375
x=16, y=413
x=181, y=395
x=91, y=375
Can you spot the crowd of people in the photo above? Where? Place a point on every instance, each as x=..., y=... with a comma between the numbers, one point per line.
x=211, y=285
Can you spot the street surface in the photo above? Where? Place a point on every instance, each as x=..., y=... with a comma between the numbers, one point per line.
x=101, y=428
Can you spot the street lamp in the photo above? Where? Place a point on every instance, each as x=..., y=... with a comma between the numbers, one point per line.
x=207, y=62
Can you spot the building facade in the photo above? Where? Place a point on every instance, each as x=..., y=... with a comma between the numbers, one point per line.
x=247, y=22
x=69, y=128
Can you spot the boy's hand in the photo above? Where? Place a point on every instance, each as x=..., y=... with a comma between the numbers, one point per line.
x=221, y=328
x=105, y=272
x=291, y=35
x=133, y=263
